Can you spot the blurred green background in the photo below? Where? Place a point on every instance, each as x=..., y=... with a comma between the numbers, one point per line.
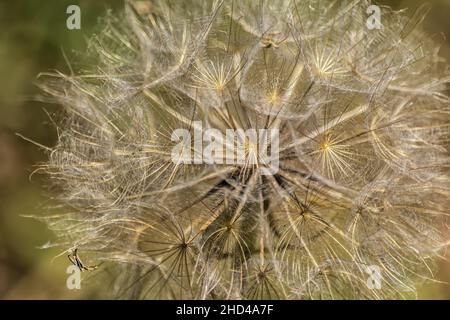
x=33, y=37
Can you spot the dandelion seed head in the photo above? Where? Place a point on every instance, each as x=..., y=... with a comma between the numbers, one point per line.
x=363, y=173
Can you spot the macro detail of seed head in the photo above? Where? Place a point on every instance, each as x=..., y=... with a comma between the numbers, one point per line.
x=159, y=163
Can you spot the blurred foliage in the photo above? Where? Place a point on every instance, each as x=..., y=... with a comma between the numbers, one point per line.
x=33, y=39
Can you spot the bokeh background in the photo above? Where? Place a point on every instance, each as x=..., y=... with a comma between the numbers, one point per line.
x=33, y=37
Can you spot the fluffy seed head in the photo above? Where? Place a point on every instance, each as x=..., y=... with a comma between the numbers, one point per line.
x=363, y=174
